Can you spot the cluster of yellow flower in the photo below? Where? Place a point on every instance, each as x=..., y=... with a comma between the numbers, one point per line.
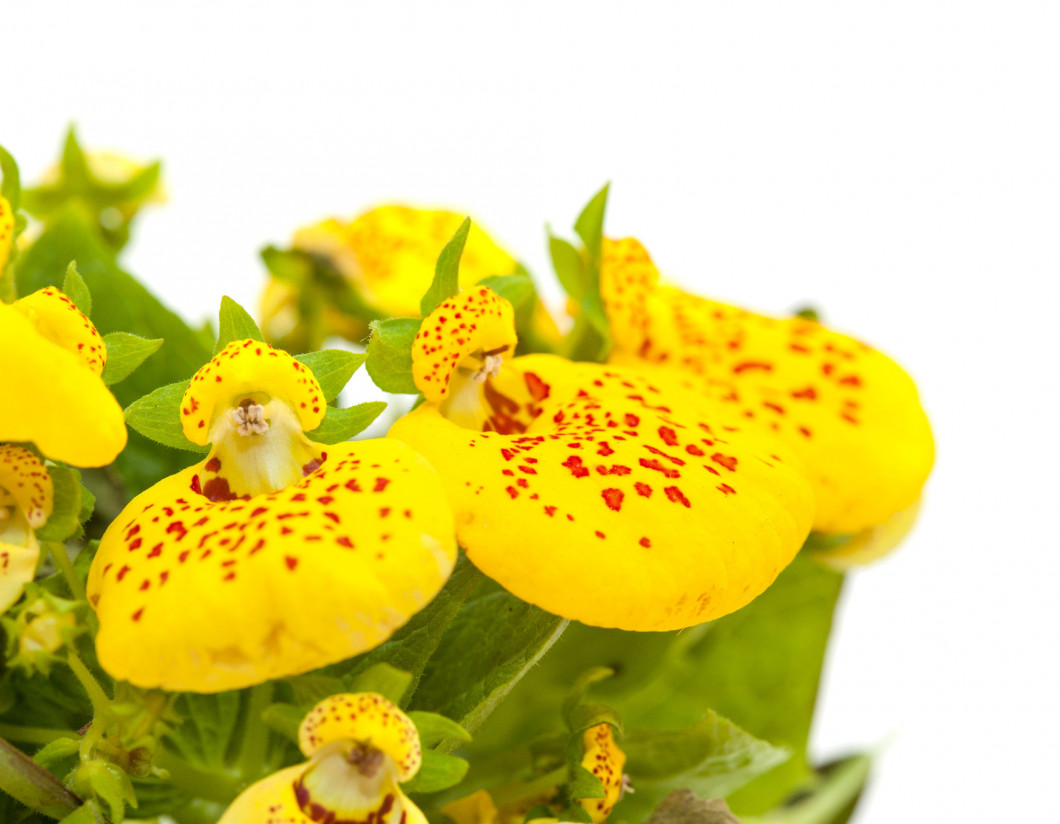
x=664, y=488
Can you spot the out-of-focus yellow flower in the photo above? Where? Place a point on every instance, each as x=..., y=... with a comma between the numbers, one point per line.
x=360, y=747
x=591, y=491
x=26, y=494
x=294, y=554
x=7, y=231
x=604, y=759
x=54, y=356
x=477, y=808
x=849, y=412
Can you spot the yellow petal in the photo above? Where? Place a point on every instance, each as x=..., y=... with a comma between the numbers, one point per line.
x=459, y=334
x=849, y=412
x=872, y=544
x=206, y=596
x=25, y=478
x=605, y=760
x=477, y=808
x=57, y=319
x=390, y=253
x=249, y=368
x=7, y=231
x=613, y=502
x=60, y=404
x=366, y=717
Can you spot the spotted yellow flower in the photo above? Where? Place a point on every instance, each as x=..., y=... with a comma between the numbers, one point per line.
x=292, y=555
x=590, y=491
x=849, y=412
x=7, y=231
x=54, y=356
x=360, y=747
x=605, y=760
x=25, y=503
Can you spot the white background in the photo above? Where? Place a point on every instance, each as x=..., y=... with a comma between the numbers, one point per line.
x=896, y=163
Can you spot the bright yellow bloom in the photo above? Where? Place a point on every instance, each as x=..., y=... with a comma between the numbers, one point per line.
x=605, y=760
x=51, y=357
x=477, y=808
x=25, y=503
x=849, y=412
x=7, y=231
x=592, y=492
x=360, y=748
x=292, y=555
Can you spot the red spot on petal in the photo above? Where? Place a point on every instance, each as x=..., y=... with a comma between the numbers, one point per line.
x=728, y=461
x=643, y=489
x=726, y=489
x=675, y=495
x=291, y=562
x=213, y=465
x=613, y=498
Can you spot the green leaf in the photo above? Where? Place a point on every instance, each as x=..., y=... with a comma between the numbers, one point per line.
x=309, y=690
x=10, y=186
x=570, y=267
x=332, y=368
x=438, y=771
x=590, y=223
x=74, y=288
x=492, y=643
x=89, y=813
x=125, y=353
x=107, y=782
x=342, y=424
x=808, y=313
x=390, y=682
x=234, y=323
x=390, y=355
x=65, y=519
x=34, y=786
x=516, y=289
x=284, y=719
x=832, y=799
x=434, y=728
x=446, y=281
x=157, y=416
x=208, y=724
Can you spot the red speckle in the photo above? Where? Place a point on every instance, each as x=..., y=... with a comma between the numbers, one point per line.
x=775, y=407
x=136, y=544
x=217, y=489
x=600, y=535
x=644, y=542
x=380, y=484
x=743, y=367
x=312, y=466
x=550, y=511
x=643, y=489
x=136, y=616
x=675, y=495
x=352, y=485
x=195, y=486
x=726, y=489
x=805, y=432
x=850, y=380
x=291, y=562
x=613, y=498
x=213, y=465
x=668, y=436
x=632, y=420
x=728, y=461
x=538, y=388
x=658, y=467
x=604, y=450
x=513, y=493
x=261, y=510
x=344, y=541
x=809, y=393
x=574, y=464
x=692, y=449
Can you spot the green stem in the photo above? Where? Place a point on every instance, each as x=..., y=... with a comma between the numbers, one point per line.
x=66, y=567
x=211, y=786
x=254, y=746
x=35, y=735
x=95, y=692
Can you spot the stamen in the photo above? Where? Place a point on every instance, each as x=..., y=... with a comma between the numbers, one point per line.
x=490, y=368
x=249, y=419
x=5, y=513
x=365, y=759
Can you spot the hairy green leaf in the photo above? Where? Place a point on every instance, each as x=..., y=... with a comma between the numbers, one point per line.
x=157, y=416
x=34, y=786
x=438, y=771
x=434, y=728
x=342, y=424
x=74, y=288
x=234, y=323
x=390, y=682
x=65, y=519
x=390, y=355
x=125, y=354
x=446, y=281
x=332, y=368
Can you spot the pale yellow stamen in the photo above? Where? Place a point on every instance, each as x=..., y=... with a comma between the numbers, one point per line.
x=491, y=367
x=249, y=419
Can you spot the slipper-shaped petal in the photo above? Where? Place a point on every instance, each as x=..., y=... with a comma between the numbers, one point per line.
x=849, y=412
x=26, y=495
x=352, y=776
x=601, y=497
x=54, y=356
x=604, y=759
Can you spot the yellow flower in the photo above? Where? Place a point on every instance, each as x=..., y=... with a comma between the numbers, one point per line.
x=54, y=356
x=849, y=412
x=275, y=555
x=605, y=760
x=25, y=503
x=589, y=490
x=360, y=748
x=7, y=231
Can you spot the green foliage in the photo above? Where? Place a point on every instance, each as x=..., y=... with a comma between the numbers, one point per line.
x=446, y=281
x=831, y=800
x=10, y=181
x=31, y=784
x=434, y=729
x=518, y=289
x=234, y=323
x=342, y=424
x=107, y=783
x=439, y=771
x=207, y=727
x=390, y=355
x=570, y=267
x=157, y=416
x=74, y=288
x=65, y=519
x=332, y=368
x=125, y=354
x=390, y=682
x=590, y=224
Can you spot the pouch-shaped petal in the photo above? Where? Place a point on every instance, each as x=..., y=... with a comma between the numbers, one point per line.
x=850, y=413
x=602, y=497
x=26, y=496
x=56, y=398
x=604, y=759
x=207, y=595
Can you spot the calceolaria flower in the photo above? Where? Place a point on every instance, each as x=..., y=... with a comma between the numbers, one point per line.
x=589, y=490
x=7, y=232
x=275, y=555
x=604, y=759
x=849, y=412
x=26, y=495
x=360, y=747
x=54, y=356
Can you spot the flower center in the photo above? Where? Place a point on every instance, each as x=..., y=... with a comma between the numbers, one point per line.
x=258, y=447
x=348, y=781
x=468, y=403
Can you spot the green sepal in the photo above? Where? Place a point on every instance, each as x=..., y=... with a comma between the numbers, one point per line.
x=390, y=682
x=106, y=782
x=446, y=281
x=438, y=771
x=332, y=368
x=54, y=752
x=516, y=289
x=569, y=266
x=434, y=728
x=390, y=355
x=65, y=520
x=342, y=424
x=157, y=416
x=125, y=354
x=75, y=288
x=88, y=813
x=590, y=224
x=234, y=323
